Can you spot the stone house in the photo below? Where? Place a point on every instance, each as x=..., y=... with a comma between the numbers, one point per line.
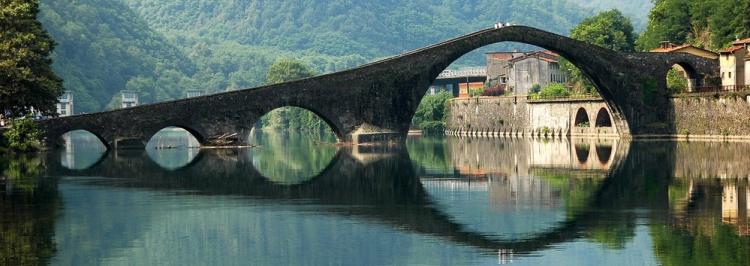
x=733, y=62
x=498, y=67
x=542, y=68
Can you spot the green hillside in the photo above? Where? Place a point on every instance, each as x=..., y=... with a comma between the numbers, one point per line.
x=161, y=48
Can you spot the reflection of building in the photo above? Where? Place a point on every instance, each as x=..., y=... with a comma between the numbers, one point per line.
x=733, y=61
x=65, y=104
x=734, y=207
x=536, y=68
x=526, y=191
x=129, y=99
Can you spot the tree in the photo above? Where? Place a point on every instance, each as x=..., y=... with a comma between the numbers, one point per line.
x=676, y=82
x=669, y=21
x=284, y=70
x=431, y=113
x=609, y=29
x=26, y=77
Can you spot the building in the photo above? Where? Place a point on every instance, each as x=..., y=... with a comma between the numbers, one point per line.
x=195, y=93
x=65, y=104
x=498, y=67
x=668, y=47
x=733, y=62
x=460, y=81
x=129, y=99
x=542, y=68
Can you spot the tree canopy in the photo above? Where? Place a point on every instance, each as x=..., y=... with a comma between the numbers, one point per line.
x=26, y=77
x=711, y=24
x=609, y=29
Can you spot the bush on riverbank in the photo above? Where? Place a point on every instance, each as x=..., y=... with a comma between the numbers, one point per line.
x=22, y=136
x=431, y=113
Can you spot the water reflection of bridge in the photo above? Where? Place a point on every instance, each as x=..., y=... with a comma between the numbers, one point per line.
x=386, y=181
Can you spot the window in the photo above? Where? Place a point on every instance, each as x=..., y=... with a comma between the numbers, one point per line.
x=730, y=75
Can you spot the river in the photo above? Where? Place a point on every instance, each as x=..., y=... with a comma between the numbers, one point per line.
x=300, y=200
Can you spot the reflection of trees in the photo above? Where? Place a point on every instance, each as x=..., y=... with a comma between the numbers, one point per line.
x=28, y=206
x=430, y=153
x=688, y=246
x=292, y=158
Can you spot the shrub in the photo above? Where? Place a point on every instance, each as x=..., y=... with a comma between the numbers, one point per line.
x=23, y=136
x=498, y=90
x=554, y=90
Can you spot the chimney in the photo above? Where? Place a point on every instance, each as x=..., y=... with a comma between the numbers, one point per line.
x=666, y=45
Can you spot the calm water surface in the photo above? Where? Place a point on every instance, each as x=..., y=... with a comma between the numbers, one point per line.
x=298, y=200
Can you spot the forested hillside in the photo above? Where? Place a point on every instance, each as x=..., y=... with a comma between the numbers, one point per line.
x=712, y=24
x=161, y=48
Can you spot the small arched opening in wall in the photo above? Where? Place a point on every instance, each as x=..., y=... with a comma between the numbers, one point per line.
x=682, y=78
x=174, y=147
x=582, y=118
x=81, y=149
x=294, y=144
x=603, y=119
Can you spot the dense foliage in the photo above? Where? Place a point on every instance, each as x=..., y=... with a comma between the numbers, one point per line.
x=431, y=113
x=162, y=48
x=676, y=82
x=609, y=29
x=710, y=24
x=26, y=77
x=23, y=135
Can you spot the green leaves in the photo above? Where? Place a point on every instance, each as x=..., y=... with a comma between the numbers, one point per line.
x=23, y=136
x=608, y=29
x=26, y=78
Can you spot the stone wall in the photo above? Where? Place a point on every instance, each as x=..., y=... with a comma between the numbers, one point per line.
x=514, y=116
x=489, y=114
x=712, y=115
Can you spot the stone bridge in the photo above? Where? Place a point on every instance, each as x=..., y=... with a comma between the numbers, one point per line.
x=377, y=100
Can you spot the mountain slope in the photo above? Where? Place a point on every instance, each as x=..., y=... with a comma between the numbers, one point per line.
x=102, y=45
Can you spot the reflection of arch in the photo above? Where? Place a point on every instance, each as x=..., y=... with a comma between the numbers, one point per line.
x=332, y=126
x=603, y=119
x=582, y=152
x=582, y=117
x=101, y=139
x=193, y=133
x=604, y=153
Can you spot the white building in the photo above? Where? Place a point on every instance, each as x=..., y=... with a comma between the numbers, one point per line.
x=733, y=62
x=129, y=99
x=65, y=104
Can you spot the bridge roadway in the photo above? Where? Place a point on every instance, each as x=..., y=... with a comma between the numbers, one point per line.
x=383, y=188
x=376, y=101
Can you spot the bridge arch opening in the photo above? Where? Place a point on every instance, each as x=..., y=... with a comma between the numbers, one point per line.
x=81, y=149
x=294, y=145
x=582, y=118
x=682, y=78
x=173, y=147
x=603, y=118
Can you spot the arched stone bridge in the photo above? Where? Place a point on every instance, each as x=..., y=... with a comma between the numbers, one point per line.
x=379, y=99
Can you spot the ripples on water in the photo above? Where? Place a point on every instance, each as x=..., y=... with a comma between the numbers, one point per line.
x=299, y=200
